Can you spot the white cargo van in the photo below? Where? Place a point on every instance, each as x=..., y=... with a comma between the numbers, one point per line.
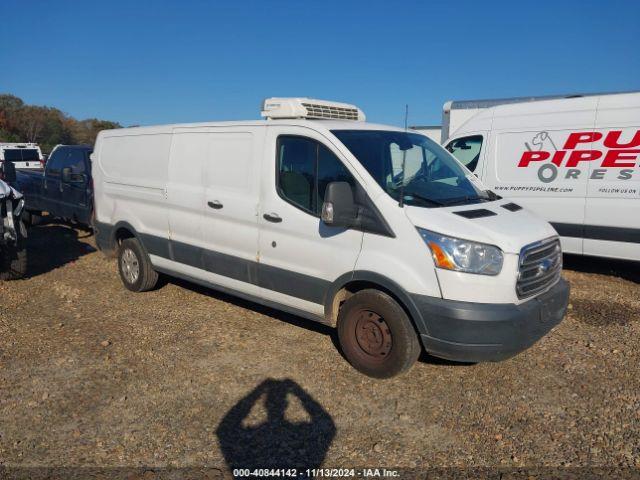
x=313, y=211
x=574, y=161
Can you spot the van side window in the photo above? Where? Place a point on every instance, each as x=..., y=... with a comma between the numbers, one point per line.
x=296, y=171
x=305, y=168
x=330, y=169
x=467, y=150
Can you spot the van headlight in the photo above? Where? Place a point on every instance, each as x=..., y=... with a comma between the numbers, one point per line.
x=462, y=255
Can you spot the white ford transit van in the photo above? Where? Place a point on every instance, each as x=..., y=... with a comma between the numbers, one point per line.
x=313, y=211
x=574, y=161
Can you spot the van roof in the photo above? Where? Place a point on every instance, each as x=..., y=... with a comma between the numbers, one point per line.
x=315, y=124
x=541, y=107
x=493, y=102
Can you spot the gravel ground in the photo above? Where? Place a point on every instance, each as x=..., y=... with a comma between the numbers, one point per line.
x=94, y=375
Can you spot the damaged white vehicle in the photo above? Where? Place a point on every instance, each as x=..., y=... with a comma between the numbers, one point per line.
x=13, y=234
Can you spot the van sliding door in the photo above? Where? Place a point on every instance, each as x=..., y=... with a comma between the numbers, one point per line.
x=213, y=198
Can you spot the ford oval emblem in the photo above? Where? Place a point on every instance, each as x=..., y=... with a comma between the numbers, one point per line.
x=544, y=266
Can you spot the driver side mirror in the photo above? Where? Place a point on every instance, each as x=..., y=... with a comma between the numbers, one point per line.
x=8, y=171
x=339, y=209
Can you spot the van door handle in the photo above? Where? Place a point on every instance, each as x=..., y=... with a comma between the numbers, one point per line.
x=215, y=204
x=272, y=217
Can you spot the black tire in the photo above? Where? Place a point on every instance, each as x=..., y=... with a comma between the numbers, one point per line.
x=13, y=258
x=376, y=335
x=136, y=272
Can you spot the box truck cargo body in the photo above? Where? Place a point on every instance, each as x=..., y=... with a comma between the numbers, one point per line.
x=575, y=162
x=374, y=229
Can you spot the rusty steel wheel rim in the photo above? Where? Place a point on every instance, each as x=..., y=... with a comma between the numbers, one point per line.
x=373, y=335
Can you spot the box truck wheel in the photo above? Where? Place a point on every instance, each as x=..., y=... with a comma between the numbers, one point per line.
x=376, y=335
x=136, y=271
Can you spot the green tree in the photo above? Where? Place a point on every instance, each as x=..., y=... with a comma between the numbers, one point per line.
x=46, y=126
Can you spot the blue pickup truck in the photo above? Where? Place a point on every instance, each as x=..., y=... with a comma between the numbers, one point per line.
x=64, y=188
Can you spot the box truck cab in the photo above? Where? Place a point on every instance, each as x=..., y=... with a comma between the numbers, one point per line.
x=573, y=161
x=314, y=211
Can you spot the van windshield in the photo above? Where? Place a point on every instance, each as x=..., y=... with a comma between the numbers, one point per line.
x=414, y=166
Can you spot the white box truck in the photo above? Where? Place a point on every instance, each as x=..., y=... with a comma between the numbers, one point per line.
x=456, y=112
x=573, y=161
x=372, y=228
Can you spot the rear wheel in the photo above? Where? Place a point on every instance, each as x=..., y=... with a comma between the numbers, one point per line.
x=136, y=272
x=376, y=335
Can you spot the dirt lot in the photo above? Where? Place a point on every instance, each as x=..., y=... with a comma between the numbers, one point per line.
x=93, y=375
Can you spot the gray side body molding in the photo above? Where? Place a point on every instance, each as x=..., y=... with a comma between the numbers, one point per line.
x=295, y=284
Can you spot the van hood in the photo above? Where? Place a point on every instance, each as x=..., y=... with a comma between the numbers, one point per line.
x=484, y=222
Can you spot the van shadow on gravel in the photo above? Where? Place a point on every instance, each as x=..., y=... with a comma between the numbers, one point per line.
x=277, y=425
x=51, y=245
x=627, y=270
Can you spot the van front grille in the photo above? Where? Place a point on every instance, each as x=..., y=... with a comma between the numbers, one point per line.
x=540, y=267
x=315, y=110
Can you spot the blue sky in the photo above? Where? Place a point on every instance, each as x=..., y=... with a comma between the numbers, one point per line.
x=152, y=62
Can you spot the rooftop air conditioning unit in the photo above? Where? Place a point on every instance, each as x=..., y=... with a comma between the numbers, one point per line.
x=310, y=108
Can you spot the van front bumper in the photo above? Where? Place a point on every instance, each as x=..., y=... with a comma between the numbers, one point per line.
x=480, y=332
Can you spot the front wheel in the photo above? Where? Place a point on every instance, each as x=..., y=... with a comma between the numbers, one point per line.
x=136, y=272
x=376, y=335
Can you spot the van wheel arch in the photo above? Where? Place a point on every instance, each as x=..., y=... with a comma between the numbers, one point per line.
x=351, y=283
x=121, y=232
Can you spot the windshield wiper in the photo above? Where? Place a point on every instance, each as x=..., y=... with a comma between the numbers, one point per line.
x=420, y=197
x=465, y=199
x=492, y=195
